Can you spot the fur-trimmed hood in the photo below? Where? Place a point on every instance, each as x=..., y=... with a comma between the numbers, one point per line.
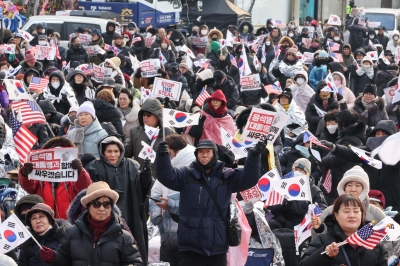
x=251, y=28
x=176, y=35
x=58, y=142
x=380, y=103
x=258, y=32
x=286, y=39
x=123, y=44
x=214, y=31
x=54, y=234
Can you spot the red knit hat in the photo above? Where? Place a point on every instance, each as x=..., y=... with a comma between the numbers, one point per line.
x=165, y=40
x=376, y=195
x=30, y=57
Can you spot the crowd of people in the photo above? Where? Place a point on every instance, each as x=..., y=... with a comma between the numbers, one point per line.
x=192, y=189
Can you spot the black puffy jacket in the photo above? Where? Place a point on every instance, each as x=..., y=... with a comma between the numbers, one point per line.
x=109, y=36
x=106, y=112
x=230, y=91
x=382, y=79
x=30, y=255
x=114, y=247
x=77, y=54
x=48, y=108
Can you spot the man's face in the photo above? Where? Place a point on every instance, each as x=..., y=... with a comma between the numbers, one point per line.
x=380, y=32
x=204, y=156
x=110, y=28
x=161, y=33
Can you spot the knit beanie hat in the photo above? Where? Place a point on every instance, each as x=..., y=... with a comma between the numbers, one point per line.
x=304, y=164
x=288, y=93
x=87, y=107
x=376, y=195
x=115, y=62
x=184, y=65
x=323, y=54
x=356, y=174
x=106, y=95
x=370, y=88
x=215, y=46
x=367, y=59
x=292, y=51
x=30, y=57
x=40, y=207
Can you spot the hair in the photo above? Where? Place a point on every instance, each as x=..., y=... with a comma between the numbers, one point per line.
x=128, y=92
x=4, y=63
x=74, y=38
x=176, y=142
x=88, y=30
x=348, y=200
x=105, y=145
x=57, y=35
x=332, y=115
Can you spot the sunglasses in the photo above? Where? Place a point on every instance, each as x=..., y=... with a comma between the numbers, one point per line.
x=97, y=204
x=148, y=114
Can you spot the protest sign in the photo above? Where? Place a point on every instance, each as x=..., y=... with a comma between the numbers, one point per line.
x=397, y=57
x=167, y=88
x=393, y=230
x=258, y=125
x=250, y=83
x=63, y=13
x=101, y=73
x=389, y=93
x=53, y=165
x=94, y=50
x=149, y=41
x=307, y=42
x=309, y=57
x=310, y=31
x=251, y=195
x=86, y=39
x=45, y=52
x=277, y=125
x=373, y=24
x=200, y=41
x=150, y=68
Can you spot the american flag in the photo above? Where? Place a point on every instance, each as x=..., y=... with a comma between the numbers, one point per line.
x=274, y=199
x=317, y=211
x=337, y=57
x=366, y=237
x=233, y=61
x=23, y=138
x=202, y=97
x=30, y=112
x=328, y=181
x=308, y=136
x=334, y=47
x=38, y=84
x=115, y=49
x=280, y=23
x=288, y=175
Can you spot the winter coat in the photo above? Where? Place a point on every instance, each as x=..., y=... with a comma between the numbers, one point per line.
x=357, y=34
x=357, y=83
x=317, y=74
x=252, y=97
x=216, y=63
x=109, y=36
x=249, y=35
x=157, y=45
x=107, y=112
x=367, y=46
x=125, y=50
x=230, y=91
x=114, y=247
x=269, y=55
x=131, y=120
x=357, y=256
x=132, y=187
x=63, y=97
x=134, y=146
x=93, y=136
x=48, y=108
x=302, y=93
x=287, y=69
x=30, y=255
x=382, y=79
x=311, y=113
x=168, y=54
x=65, y=191
x=167, y=226
x=289, y=213
x=25, y=67
x=137, y=48
x=346, y=92
x=383, y=40
x=296, y=123
x=392, y=44
x=372, y=116
x=353, y=135
x=41, y=133
x=202, y=228
x=77, y=54
x=97, y=58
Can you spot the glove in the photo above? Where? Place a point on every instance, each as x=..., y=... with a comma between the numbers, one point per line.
x=258, y=149
x=146, y=164
x=77, y=165
x=138, y=73
x=162, y=149
x=47, y=254
x=27, y=169
x=328, y=144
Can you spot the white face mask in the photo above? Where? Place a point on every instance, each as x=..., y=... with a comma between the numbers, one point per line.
x=300, y=81
x=366, y=66
x=55, y=84
x=292, y=26
x=332, y=128
x=371, y=36
x=148, y=35
x=268, y=43
x=126, y=39
x=336, y=39
x=297, y=173
x=291, y=34
x=395, y=38
x=245, y=27
x=132, y=32
x=43, y=43
x=164, y=45
x=203, y=32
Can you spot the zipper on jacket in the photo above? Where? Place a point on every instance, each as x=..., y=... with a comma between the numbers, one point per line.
x=201, y=189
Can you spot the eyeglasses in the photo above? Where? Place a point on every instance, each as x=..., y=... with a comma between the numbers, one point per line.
x=290, y=54
x=148, y=114
x=97, y=204
x=38, y=218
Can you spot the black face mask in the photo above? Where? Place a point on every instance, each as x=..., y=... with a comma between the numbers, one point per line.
x=214, y=39
x=72, y=118
x=174, y=71
x=194, y=33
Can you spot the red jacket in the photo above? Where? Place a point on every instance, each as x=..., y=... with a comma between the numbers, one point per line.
x=63, y=197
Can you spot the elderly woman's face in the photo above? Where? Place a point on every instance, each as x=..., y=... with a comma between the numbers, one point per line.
x=349, y=218
x=100, y=209
x=40, y=222
x=85, y=119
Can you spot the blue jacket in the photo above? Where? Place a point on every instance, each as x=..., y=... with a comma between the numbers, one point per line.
x=317, y=74
x=201, y=227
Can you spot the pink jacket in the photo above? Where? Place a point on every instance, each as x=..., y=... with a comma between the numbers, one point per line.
x=346, y=92
x=212, y=125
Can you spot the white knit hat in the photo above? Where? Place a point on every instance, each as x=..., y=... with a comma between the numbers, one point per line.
x=87, y=107
x=356, y=174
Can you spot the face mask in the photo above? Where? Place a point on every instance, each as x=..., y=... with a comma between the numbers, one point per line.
x=203, y=32
x=332, y=128
x=300, y=81
x=55, y=84
x=292, y=26
x=371, y=36
x=195, y=33
x=291, y=34
x=297, y=173
x=267, y=43
x=43, y=43
x=164, y=45
x=214, y=39
x=77, y=44
x=126, y=39
x=303, y=150
x=174, y=70
x=132, y=32
x=245, y=27
x=336, y=39
x=148, y=35
x=338, y=83
x=366, y=66
x=314, y=45
x=395, y=38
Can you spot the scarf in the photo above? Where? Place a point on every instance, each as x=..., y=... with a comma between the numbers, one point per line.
x=285, y=106
x=48, y=229
x=375, y=142
x=366, y=105
x=369, y=72
x=126, y=111
x=78, y=135
x=97, y=228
